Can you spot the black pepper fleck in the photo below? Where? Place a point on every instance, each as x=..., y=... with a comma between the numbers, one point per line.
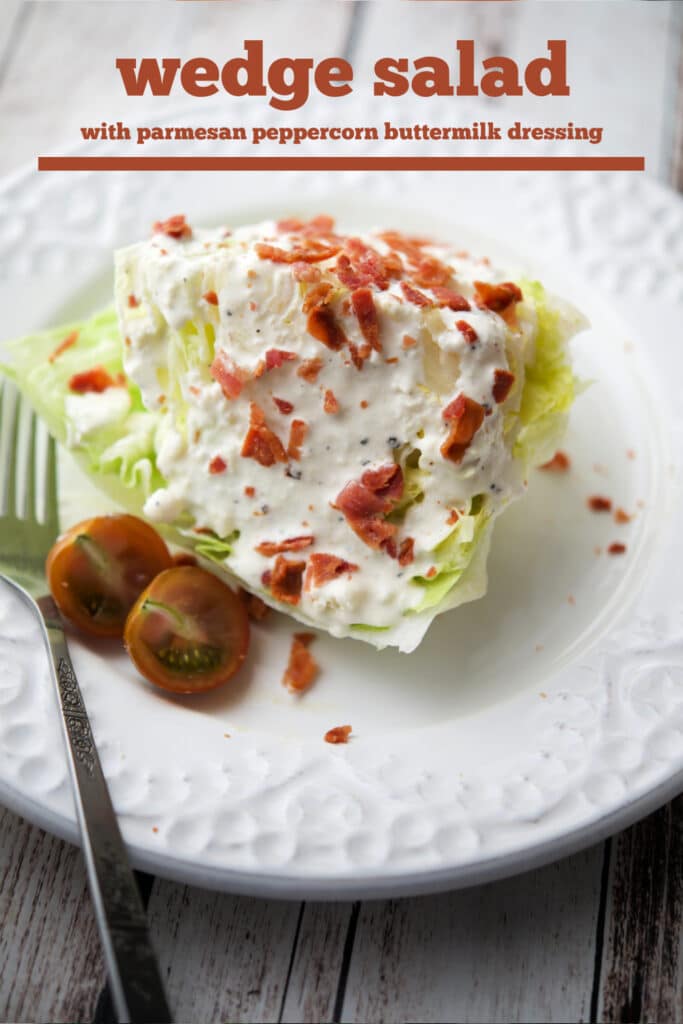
x=364, y=440
x=295, y=474
x=393, y=442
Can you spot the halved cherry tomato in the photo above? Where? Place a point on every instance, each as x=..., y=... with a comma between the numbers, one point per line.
x=188, y=632
x=98, y=568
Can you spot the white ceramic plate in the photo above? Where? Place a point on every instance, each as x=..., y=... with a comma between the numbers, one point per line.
x=527, y=724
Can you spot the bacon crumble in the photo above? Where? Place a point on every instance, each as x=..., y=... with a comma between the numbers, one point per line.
x=365, y=502
x=409, y=341
x=415, y=296
x=339, y=734
x=211, y=298
x=217, y=465
x=67, y=343
x=285, y=579
x=467, y=416
x=497, y=297
x=133, y=302
x=560, y=463
x=324, y=326
x=621, y=516
x=363, y=306
x=310, y=369
x=468, y=332
x=616, y=548
x=302, y=668
x=323, y=568
x=230, y=377
x=96, y=380
x=268, y=548
x=283, y=405
x=405, y=552
x=502, y=384
x=451, y=299
x=256, y=608
x=330, y=403
x=297, y=436
x=598, y=503
x=260, y=443
x=174, y=227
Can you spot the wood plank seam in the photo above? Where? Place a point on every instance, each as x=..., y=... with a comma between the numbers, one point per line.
x=346, y=962
x=600, y=931
x=292, y=958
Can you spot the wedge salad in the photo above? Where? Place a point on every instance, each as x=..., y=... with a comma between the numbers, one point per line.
x=334, y=420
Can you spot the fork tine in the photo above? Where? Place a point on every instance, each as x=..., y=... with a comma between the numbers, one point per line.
x=12, y=460
x=29, y=508
x=51, y=513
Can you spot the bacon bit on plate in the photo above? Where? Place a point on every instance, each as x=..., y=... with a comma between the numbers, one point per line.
x=184, y=558
x=268, y=548
x=308, y=252
x=431, y=272
x=330, y=404
x=310, y=369
x=571, y=599
x=616, y=548
x=418, y=298
x=260, y=442
x=249, y=491
x=363, y=306
x=324, y=327
x=502, y=384
x=599, y=504
x=451, y=299
x=277, y=356
x=468, y=331
x=253, y=307
x=97, y=380
x=340, y=734
x=467, y=416
x=630, y=454
x=364, y=404
x=217, y=465
x=453, y=517
x=621, y=516
x=302, y=667
x=409, y=341
x=285, y=579
x=323, y=568
x=230, y=377
x=283, y=405
x=307, y=272
x=497, y=297
x=70, y=340
x=256, y=608
x=319, y=295
x=174, y=227
x=560, y=463
x=431, y=572
x=405, y=552
x=133, y=302
x=211, y=298
x=297, y=436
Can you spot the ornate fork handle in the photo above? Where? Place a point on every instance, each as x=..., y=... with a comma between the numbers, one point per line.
x=136, y=986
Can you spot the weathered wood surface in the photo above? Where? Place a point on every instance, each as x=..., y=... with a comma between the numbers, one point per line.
x=598, y=936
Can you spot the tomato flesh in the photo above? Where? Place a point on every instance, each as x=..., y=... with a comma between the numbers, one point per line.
x=98, y=568
x=188, y=631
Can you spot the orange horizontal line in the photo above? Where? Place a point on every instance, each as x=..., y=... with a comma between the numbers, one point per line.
x=341, y=163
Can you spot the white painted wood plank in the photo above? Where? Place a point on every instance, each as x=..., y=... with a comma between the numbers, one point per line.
x=317, y=963
x=50, y=961
x=8, y=27
x=517, y=950
x=224, y=957
x=73, y=80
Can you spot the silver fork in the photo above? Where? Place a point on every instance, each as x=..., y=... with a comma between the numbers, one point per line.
x=25, y=539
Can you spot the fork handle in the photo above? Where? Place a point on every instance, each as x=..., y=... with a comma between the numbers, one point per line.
x=136, y=986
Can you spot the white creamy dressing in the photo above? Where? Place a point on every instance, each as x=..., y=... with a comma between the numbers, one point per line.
x=172, y=335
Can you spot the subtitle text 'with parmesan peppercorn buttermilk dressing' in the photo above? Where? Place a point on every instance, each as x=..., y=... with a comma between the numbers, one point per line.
x=341, y=412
